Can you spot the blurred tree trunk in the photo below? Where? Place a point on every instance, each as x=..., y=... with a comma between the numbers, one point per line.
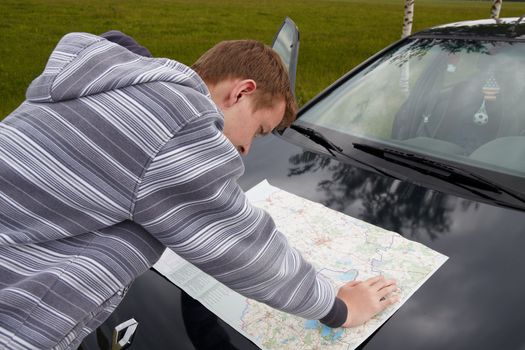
x=407, y=30
x=496, y=7
x=409, y=16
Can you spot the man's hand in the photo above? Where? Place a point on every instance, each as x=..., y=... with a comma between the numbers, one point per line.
x=364, y=299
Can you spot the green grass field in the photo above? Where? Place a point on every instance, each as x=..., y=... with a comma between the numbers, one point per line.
x=335, y=35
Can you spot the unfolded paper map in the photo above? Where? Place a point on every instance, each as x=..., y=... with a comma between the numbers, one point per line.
x=342, y=248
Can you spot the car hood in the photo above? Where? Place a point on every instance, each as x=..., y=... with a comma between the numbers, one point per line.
x=470, y=302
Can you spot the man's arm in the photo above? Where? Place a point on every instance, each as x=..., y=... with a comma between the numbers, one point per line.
x=190, y=201
x=364, y=299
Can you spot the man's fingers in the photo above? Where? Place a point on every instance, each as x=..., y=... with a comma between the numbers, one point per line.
x=384, y=284
x=386, y=302
x=386, y=290
x=379, y=282
x=374, y=280
x=352, y=283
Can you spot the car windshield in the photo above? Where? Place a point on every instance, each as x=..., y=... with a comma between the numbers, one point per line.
x=462, y=100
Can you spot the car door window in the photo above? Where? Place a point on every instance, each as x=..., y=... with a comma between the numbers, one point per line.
x=286, y=44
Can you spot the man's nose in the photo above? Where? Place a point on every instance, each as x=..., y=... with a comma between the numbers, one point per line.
x=244, y=149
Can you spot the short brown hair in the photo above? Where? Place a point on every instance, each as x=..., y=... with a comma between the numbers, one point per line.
x=250, y=59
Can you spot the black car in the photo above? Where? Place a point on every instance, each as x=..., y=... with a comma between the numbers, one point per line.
x=426, y=138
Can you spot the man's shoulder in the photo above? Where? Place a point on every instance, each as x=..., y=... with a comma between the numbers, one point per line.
x=174, y=105
x=185, y=98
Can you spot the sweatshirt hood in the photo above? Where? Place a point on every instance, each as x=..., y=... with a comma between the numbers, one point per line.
x=83, y=64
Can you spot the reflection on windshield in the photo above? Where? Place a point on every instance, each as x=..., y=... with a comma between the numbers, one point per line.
x=456, y=99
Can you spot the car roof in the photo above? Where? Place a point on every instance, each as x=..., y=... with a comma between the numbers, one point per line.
x=502, y=28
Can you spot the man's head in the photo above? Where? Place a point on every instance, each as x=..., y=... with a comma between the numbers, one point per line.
x=249, y=83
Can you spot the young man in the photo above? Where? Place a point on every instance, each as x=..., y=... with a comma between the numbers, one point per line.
x=113, y=157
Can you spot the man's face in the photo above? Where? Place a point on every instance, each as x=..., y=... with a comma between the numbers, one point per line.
x=235, y=98
x=242, y=123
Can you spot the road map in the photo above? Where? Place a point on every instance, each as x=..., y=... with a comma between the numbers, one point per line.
x=342, y=248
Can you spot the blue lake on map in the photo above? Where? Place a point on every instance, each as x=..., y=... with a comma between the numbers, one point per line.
x=326, y=332
x=347, y=276
x=341, y=275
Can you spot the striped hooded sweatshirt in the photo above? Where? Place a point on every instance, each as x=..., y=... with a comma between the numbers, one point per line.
x=112, y=158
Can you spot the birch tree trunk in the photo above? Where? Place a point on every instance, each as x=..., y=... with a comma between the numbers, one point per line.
x=496, y=7
x=409, y=16
x=407, y=30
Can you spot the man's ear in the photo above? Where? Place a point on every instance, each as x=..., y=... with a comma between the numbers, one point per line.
x=241, y=89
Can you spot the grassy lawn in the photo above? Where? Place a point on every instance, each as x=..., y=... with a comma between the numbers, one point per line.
x=335, y=35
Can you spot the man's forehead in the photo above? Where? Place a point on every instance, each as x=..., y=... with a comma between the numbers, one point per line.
x=279, y=112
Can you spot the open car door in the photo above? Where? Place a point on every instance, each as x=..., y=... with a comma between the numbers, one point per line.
x=286, y=44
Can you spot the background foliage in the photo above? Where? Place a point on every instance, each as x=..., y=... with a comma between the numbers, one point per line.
x=335, y=35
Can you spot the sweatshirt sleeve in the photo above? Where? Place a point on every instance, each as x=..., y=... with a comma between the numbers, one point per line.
x=190, y=201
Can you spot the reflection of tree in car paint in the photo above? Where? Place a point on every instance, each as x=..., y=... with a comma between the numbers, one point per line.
x=398, y=206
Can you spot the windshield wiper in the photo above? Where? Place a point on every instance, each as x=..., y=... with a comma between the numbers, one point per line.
x=318, y=138
x=446, y=172
x=321, y=140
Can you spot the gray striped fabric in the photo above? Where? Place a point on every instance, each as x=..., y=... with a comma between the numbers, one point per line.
x=111, y=158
